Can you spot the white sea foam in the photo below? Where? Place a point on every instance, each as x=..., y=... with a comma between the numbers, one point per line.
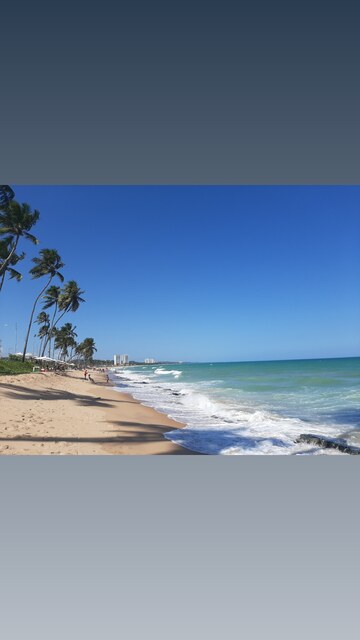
x=166, y=372
x=219, y=426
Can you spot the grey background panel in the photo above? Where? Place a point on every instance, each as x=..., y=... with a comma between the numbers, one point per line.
x=179, y=547
x=139, y=93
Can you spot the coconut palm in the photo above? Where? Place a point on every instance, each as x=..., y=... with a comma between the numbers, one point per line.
x=43, y=319
x=16, y=220
x=51, y=298
x=69, y=299
x=86, y=349
x=48, y=264
x=65, y=339
x=6, y=195
x=15, y=258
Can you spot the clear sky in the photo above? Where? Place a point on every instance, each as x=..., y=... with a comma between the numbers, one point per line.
x=201, y=273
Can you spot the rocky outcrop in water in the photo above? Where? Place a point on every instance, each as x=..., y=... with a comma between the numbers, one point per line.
x=329, y=443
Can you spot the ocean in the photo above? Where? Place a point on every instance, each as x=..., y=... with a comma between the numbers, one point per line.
x=242, y=408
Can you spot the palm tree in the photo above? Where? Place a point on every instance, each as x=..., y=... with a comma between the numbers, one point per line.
x=65, y=339
x=48, y=264
x=53, y=333
x=68, y=299
x=16, y=220
x=15, y=258
x=6, y=195
x=51, y=298
x=86, y=349
x=43, y=319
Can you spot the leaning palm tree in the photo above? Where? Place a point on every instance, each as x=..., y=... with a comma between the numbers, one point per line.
x=48, y=264
x=65, y=339
x=16, y=220
x=43, y=319
x=86, y=349
x=51, y=298
x=69, y=299
x=15, y=258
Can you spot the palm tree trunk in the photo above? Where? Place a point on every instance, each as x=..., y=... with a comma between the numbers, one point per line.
x=31, y=318
x=48, y=339
x=6, y=262
x=51, y=328
x=59, y=318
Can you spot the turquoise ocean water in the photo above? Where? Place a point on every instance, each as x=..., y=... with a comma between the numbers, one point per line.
x=252, y=407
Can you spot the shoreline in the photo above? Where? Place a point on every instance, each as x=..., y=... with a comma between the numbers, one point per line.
x=64, y=414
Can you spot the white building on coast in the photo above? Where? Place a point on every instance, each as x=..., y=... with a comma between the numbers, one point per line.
x=121, y=360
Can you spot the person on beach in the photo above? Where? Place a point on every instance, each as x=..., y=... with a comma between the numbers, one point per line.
x=91, y=379
x=85, y=374
x=107, y=378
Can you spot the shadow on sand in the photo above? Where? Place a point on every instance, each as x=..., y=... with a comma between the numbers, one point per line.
x=26, y=393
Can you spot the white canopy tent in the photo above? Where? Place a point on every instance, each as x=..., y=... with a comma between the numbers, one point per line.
x=47, y=359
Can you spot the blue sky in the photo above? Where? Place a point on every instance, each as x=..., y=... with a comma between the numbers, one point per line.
x=201, y=273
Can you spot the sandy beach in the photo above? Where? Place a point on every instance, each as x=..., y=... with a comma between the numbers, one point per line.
x=64, y=414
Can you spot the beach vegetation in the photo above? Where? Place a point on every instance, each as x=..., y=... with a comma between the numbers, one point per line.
x=14, y=366
x=48, y=264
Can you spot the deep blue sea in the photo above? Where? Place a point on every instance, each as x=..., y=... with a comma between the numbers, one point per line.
x=252, y=407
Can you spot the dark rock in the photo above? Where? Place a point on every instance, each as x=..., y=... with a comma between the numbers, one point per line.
x=329, y=443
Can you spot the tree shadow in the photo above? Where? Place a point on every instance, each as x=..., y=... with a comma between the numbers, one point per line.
x=28, y=393
x=145, y=433
x=134, y=433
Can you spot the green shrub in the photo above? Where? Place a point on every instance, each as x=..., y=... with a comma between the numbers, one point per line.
x=14, y=367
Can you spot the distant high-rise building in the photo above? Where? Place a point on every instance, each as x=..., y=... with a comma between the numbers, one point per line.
x=121, y=359
x=149, y=361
